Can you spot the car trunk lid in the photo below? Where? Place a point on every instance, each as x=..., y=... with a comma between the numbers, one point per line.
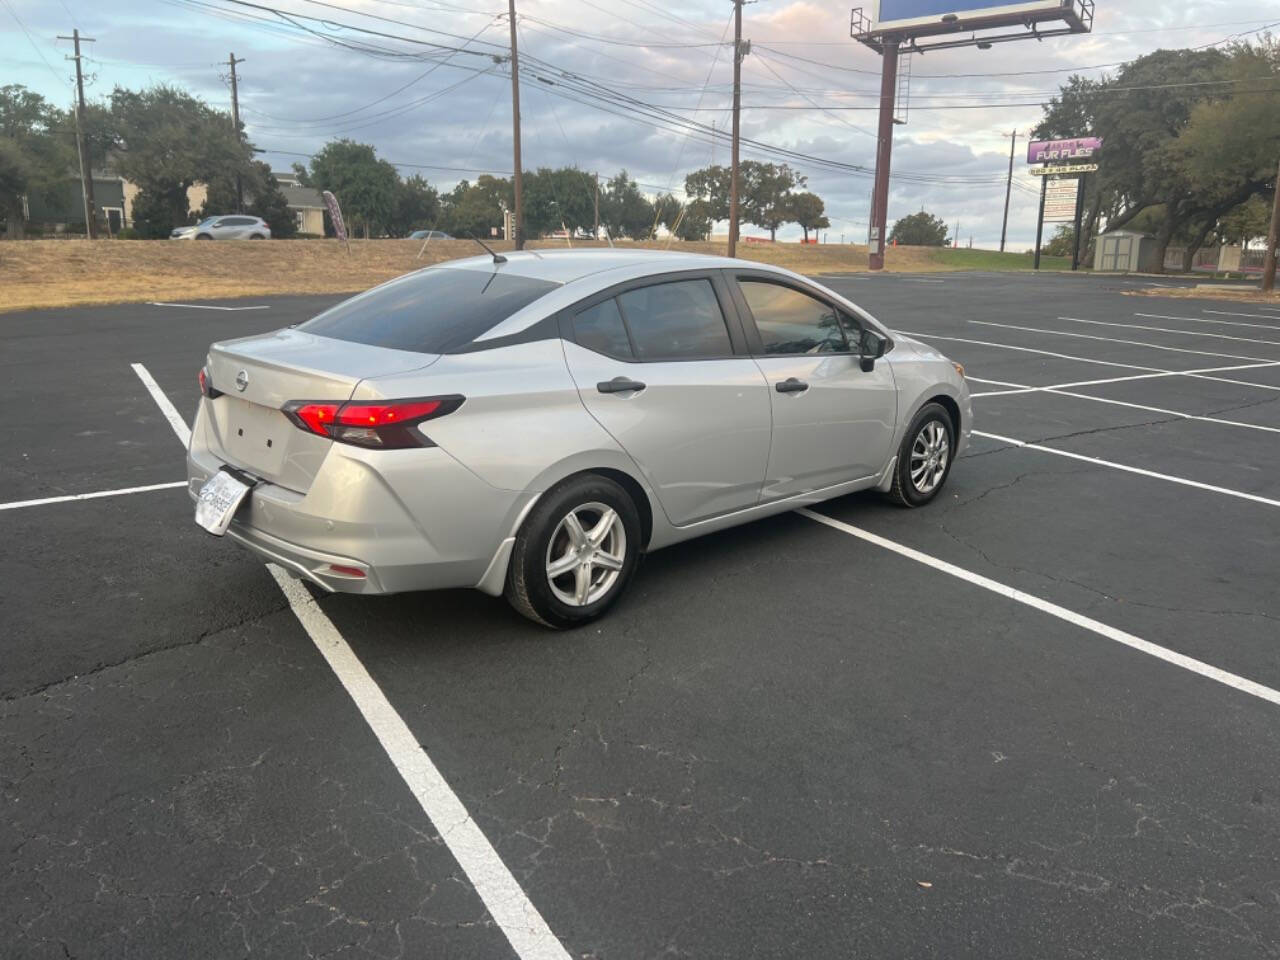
x=257, y=376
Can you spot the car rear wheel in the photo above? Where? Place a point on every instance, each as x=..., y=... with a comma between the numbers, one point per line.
x=203, y=236
x=575, y=553
x=256, y=236
x=924, y=459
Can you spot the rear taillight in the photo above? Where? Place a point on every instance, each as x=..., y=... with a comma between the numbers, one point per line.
x=206, y=384
x=378, y=425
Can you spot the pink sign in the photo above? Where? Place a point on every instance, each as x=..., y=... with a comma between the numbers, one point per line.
x=1063, y=151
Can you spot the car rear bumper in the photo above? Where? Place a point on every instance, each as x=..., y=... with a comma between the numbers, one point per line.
x=405, y=519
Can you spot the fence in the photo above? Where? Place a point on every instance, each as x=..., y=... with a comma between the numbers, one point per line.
x=1216, y=260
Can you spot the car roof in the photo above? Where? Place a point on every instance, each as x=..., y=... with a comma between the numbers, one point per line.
x=566, y=266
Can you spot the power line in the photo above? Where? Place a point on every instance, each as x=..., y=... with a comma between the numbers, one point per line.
x=40, y=53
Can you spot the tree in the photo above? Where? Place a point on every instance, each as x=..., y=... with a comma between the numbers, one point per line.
x=364, y=185
x=166, y=141
x=476, y=209
x=764, y=194
x=625, y=210
x=1062, y=243
x=919, y=230
x=1247, y=222
x=36, y=157
x=263, y=196
x=807, y=209
x=416, y=205
x=559, y=198
x=711, y=186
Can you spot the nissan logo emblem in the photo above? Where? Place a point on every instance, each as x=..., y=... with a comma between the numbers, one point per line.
x=242, y=380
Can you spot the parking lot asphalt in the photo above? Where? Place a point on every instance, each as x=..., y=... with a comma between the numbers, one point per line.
x=786, y=741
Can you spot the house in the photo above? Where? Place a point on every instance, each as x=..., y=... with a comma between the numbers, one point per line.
x=306, y=203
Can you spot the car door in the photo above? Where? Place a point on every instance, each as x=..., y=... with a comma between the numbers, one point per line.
x=659, y=367
x=833, y=421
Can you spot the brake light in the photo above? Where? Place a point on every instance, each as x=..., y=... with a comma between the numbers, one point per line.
x=206, y=384
x=380, y=425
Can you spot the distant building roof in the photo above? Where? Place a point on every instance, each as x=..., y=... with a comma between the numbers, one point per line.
x=301, y=197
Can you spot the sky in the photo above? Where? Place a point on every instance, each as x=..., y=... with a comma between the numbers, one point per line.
x=446, y=113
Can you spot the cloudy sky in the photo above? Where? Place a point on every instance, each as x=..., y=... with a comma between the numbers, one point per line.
x=431, y=98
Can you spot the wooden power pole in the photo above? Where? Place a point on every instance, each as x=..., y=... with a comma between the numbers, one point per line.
x=517, y=219
x=738, y=53
x=1269, y=261
x=235, y=122
x=884, y=151
x=1008, y=189
x=82, y=146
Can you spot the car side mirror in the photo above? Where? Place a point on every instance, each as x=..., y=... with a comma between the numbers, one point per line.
x=873, y=347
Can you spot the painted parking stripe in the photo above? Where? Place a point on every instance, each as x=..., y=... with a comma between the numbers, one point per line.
x=1170, y=478
x=1256, y=316
x=1134, y=343
x=168, y=409
x=20, y=504
x=507, y=903
x=204, y=306
x=1043, y=353
x=1185, y=333
x=1233, y=680
x=1227, y=323
x=1199, y=374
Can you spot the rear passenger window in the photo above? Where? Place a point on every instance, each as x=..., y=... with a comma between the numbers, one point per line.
x=676, y=321
x=600, y=329
x=791, y=322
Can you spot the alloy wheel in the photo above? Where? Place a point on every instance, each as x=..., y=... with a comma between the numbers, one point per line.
x=929, y=456
x=585, y=554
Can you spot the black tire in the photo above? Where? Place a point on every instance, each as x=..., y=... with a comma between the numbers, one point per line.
x=905, y=491
x=203, y=236
x=256, y=236
x=529, y=587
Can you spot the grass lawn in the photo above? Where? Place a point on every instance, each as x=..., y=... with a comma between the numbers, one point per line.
x=76, y=272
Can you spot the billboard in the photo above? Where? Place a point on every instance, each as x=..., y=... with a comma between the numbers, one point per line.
x=893, y=15
x=1063, y=151
x=1060, y=199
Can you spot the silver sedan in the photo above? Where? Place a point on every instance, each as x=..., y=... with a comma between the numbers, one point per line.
x=529, y=425
x=232, y=226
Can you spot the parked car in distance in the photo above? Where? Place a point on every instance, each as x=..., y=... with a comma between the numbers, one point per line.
x=433, y=234
x=231, y=226
x=530, y=424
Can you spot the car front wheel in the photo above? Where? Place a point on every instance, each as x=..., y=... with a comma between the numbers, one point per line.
x=575, y=553
x=924, y=459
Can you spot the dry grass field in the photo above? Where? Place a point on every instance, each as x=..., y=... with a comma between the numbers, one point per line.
x=61, y=273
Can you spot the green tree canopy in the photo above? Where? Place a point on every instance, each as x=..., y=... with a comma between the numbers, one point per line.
x=37, y=154
x=807, y=209
x=365, y=186
x=625, y=210
x=921, y=229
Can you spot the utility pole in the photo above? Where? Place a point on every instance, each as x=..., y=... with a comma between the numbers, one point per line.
x=82, y=147
x=1008, y=188
x=1269, y=261
x=738, y=53
x=596, y=235
x=517, y=220
x=884, y=150
x=235, y=122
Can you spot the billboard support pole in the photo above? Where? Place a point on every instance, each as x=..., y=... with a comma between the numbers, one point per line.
x=884, y=149
x=1044, y=185
x=1273, y=237
x=1075, y=250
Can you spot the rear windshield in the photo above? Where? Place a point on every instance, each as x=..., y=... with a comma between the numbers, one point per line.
x=432, y=311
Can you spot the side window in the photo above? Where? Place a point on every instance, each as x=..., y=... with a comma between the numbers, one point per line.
x=863, y=337
x=600, y=328
x=676, y=321
x=791, y=322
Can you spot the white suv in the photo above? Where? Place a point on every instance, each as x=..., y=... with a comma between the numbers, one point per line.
x=228, y=227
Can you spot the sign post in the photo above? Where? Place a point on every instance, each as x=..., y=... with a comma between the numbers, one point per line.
x=1075, y=248
x=1040, y=222
x=1063, y=170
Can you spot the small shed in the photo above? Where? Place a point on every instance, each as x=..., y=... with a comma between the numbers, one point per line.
x=1126, y=251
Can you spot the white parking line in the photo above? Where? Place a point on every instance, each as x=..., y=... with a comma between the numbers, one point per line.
x=1170, y=478
x=506, y=902
x=170, y=412
x=1256, y=316
x=1185, y=333
x=1125, y=403
x=19, y=504
x=1235, y=681
x=1043, y=353
x=204, y=306
x=1198, y=374
x=1227, y=323
x=1134, y=343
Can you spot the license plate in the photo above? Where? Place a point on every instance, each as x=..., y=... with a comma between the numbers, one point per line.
x=219, y=499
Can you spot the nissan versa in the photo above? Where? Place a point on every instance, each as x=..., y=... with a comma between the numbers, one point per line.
x=529, y=425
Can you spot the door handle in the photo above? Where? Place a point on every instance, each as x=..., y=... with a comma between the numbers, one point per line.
x=619, y=385
x=791, y=385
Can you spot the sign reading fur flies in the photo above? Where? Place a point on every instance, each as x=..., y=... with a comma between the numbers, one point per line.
x=894, y=27
x=1065, y=164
